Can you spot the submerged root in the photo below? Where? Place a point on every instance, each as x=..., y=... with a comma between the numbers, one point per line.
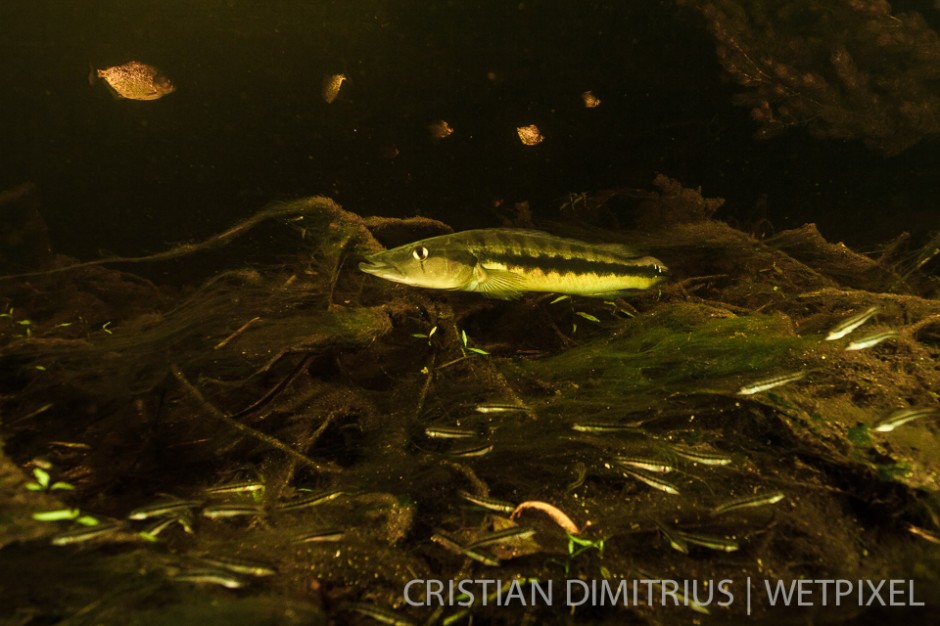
x=208, y=408
x=381, y=431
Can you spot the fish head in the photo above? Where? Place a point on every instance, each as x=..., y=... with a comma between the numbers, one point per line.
x=428, y=263
x=659, y=271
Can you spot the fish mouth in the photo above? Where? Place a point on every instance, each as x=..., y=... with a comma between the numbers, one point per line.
x=378, y=267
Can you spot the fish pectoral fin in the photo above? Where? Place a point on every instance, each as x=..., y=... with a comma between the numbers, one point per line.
x=501, y=284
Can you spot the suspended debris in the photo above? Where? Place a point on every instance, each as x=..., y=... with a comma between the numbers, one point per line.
x=590, y=100
x=331, y=86
x=440, y=129
x=530, y=135
x=135, y=81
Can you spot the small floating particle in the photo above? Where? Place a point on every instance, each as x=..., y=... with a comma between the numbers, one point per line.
x=135, y=81
x=388, y=152
x=590, y=100
x=331, y=86
x=530, y=135
x=440, y=129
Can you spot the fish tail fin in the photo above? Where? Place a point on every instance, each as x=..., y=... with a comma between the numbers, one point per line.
x=92, y=75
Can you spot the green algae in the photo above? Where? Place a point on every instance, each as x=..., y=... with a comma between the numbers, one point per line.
x=663, y=354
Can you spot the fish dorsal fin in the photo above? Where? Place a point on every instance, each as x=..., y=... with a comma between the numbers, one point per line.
x=619, y=249
x=494, y=283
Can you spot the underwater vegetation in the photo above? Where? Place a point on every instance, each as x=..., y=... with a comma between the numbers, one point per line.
x=295, y=441
x=847, y=69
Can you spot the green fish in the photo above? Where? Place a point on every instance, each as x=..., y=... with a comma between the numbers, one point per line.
x=505, y=263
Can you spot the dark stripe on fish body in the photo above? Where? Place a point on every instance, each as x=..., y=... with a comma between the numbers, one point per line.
x=500, y=240
x=487, y=243
x=476, y=240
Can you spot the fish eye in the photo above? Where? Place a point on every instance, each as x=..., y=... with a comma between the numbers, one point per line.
x=420, y=253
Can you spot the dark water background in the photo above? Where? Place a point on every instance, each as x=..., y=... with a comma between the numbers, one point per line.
x=247, y=124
